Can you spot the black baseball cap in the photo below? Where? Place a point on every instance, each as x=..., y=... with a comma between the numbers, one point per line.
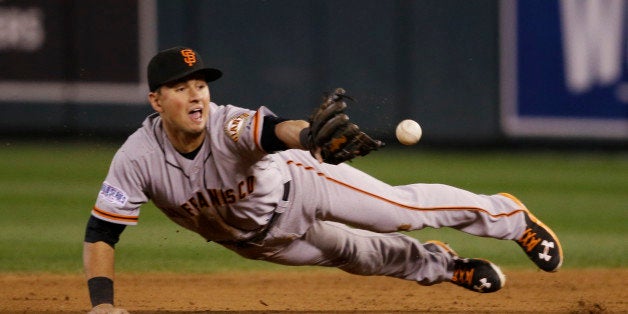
x=175, y=63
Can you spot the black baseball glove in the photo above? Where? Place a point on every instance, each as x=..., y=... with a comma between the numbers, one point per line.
x=331, y=138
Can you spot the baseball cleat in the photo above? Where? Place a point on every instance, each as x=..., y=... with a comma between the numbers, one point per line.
x=539, y=242
x=478, y=275
x=475, y=274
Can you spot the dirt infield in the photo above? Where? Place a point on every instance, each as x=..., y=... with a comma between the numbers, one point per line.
x=568, y=291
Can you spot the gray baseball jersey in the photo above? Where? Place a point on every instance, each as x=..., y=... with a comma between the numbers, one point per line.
x=290, y=209
x=227, y=192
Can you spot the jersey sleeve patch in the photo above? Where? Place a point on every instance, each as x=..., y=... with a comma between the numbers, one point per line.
x=113, y=194
x=236, y=125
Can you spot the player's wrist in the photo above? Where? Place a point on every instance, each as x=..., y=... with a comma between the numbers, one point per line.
x=100, y=290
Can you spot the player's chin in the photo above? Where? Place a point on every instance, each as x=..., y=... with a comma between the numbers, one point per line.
x=198, y=129
x=195, y=127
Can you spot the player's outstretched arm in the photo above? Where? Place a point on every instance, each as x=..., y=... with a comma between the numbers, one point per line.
x=289, y=131
x=98, y=264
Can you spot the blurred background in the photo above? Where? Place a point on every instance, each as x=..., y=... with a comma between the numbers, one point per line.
x=470, y=72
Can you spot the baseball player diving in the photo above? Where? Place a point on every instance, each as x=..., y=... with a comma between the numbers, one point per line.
x=275, y=189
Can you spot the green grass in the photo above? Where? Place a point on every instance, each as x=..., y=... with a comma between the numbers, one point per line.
x=47, y=191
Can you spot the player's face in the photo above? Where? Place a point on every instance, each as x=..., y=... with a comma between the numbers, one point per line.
x=183, y=105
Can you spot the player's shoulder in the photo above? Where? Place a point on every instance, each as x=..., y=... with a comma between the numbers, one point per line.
x=226, y=110
x=145, y=140
x=227, y=114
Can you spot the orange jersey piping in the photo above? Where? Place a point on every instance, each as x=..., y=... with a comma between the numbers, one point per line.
x=116, y=217
x=256, y=132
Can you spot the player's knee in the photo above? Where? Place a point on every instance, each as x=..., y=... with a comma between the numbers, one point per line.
x=355, y=251
x=328, y=237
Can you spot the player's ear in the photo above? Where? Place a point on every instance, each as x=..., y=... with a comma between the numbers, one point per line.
x=153, y=98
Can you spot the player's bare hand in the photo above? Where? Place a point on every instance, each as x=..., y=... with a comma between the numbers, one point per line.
x=107, y=309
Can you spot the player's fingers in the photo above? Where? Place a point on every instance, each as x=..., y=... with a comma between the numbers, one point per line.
x=322, y=117
x=102, y=309
x=107, y=309
x=317, y=155
x=334, y=125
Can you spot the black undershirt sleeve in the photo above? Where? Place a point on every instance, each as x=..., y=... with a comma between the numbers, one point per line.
x=100, y=230
x=270, y=142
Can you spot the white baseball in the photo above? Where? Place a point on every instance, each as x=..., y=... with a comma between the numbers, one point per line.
x=408, y=132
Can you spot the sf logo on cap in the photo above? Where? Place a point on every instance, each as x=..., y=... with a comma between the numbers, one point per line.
x=189, y=56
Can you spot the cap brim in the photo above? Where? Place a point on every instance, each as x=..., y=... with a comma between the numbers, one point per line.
x=210, y=75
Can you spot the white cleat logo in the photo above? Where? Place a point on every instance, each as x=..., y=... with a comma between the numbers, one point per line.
x=546, y=248
x=484, y=284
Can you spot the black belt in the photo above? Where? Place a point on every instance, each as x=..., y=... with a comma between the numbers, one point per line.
x=264, y=229
x=286, y=191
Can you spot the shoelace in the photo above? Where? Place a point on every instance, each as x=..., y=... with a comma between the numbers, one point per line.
x=529, y=240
